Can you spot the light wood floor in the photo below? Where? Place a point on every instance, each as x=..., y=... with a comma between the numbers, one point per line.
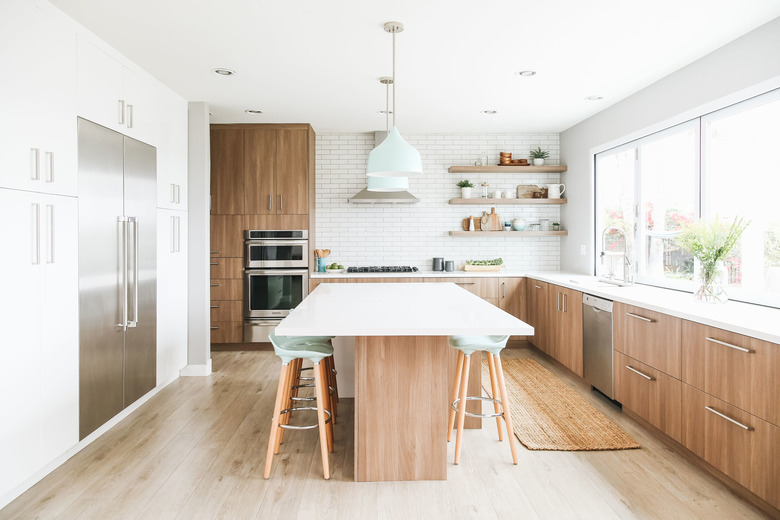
x=197, y=449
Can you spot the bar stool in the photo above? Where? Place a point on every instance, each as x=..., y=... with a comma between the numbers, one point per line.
x=292, y=351
x=467, y=345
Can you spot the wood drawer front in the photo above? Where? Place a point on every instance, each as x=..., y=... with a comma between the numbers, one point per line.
x=227, y=268
x=227, y=289
x=227, y=331
x=226, y=310
x=656, y=400
x=715, y=361
x=314, y=282
x=749, y=457
x=276, y=221
x=485, y=288
x=650, y=337
x=227, y=238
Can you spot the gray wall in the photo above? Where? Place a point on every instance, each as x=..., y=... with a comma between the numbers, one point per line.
x=743, y=68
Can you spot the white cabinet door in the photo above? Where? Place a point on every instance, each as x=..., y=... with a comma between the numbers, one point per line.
x=172, y=151
x=171, y=293
x=100, y=80
x=20, y=357
x=141, y=110
x=37, y=127
x=59, y=325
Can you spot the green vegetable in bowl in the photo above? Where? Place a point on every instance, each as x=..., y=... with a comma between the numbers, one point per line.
x=497, y=261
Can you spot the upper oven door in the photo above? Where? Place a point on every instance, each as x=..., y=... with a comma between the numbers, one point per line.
x=276, y=253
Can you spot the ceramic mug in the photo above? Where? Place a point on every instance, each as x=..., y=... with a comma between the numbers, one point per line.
x=498, y=194
x=554, y=191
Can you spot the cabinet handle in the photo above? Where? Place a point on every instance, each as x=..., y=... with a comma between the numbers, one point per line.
x=173, y=193
x=559, y=301
x=50, y=223
x=215, y=285
x=744, y=426
x=178, y=194
x=637, y=316
x=729, y=345
x=270, y=202
x=281, y=202
x=129, y=116
x=214, y=328
x=564, y=302
x=121, y=111
x=538, y=286
x=49, y=166
x=215, y=252
x=215, y=306
x=503, y=286
x=465, y=283
x=178, y=234
x=640, y=373
x=35, y=220
x=35, y=164
x=173, y=234
x=214, y=263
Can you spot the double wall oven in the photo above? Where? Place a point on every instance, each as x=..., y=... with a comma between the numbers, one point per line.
x=276, y=278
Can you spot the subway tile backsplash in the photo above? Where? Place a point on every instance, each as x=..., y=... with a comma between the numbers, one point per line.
x=412, y=234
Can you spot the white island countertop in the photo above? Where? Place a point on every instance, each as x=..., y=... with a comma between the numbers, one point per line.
x=398, y=309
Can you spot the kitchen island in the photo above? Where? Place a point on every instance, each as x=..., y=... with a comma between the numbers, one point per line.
x=401, y=360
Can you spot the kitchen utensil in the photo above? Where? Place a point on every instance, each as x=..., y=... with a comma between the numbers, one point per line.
x=485, y=221
x=321, y=265
x=526, y=191
x=495, y=221
x=554, y=191
x=449, y=265
x=438, y=264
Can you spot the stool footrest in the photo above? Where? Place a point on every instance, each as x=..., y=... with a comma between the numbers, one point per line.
x=480, y=415
x=307, y=427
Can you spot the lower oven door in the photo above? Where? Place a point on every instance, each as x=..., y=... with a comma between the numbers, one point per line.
x=273, y=293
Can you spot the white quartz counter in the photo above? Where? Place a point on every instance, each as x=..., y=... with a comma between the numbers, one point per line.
x=397, y=309
x=752, y=320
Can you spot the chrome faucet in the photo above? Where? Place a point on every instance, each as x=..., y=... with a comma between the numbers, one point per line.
x=628, y=276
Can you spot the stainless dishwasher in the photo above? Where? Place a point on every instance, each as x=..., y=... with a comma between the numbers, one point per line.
x=597, y=343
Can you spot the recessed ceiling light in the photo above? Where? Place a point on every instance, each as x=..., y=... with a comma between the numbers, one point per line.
x=526, y=73
x=489, y=112
x=594, y=98
x=253, y=111
x=223, y=72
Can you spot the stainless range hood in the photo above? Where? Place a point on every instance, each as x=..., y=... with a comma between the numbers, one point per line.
x=382, y=197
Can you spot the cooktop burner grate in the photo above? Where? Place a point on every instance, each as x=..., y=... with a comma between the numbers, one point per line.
x=383, y=269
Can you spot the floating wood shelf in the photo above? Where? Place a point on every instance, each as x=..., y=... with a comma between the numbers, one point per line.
x=473, y=201
x=507, y=169
x=509, y=233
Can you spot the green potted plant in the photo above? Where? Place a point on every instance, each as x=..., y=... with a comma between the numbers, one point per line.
x=710, y=243
x=465, y=188
x=539, y=156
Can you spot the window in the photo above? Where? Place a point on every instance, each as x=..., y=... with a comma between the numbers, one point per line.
x=719, y=165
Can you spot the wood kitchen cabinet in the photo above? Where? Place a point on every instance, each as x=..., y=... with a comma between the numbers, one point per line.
x=650, y=337
x=227, y=171
x=537, y=313
x=738, y=369
x=564, y=325
x=512, y=298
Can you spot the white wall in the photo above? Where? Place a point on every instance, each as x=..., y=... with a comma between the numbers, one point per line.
x=402, y=234
x=745, y=67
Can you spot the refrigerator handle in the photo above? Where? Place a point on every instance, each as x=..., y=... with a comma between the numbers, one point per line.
x=123, y=240
x=134, y=321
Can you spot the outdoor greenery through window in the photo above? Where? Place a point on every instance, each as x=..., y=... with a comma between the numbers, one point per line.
x=719, y=165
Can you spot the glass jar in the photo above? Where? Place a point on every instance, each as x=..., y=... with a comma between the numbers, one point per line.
x=544, y=224
x=485, y=190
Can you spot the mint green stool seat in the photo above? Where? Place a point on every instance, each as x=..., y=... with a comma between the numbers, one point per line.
x=313, y=348
x=470, y=344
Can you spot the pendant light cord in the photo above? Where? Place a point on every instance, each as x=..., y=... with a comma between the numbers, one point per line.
x=393, y=77
x=387, y=108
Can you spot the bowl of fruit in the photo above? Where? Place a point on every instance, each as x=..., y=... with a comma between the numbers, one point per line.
x=334, y=268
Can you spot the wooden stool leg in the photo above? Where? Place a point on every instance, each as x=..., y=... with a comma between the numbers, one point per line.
x=454, y=395
x=329, y=426
x=293, y=371
x=462, y=406
x=505, y=405
x=494, y=393
x=275, y=422
x=318, y=383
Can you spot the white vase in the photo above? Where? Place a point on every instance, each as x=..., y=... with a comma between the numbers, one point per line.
x=465, y=193
x=538, y=162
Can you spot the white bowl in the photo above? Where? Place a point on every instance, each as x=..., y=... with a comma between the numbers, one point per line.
x=334, y=271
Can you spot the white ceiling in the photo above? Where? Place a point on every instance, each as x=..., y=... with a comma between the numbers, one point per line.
x=319, y=61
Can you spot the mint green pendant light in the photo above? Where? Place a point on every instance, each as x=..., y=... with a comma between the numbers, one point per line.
x=394, y=157
x=387, y=184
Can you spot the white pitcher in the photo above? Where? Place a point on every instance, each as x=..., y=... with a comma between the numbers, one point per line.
x=554, y=191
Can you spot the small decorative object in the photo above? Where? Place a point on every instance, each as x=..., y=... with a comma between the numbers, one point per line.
x=507, y=226
x=465, y=188
x=505, y=158
x=498, y=194
x=526, y=191
x=544, y=224
x=471, y=224
x=485, y=188
x=555, y=190
x=449, y=266
x=485, y=159
x=509, y=194
x=478, y=162
x=518, y=224
x=710, y=243
x=556, y=226
x=539, y=156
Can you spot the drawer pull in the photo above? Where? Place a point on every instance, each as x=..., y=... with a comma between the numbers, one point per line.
x=637, y=316
x=215, y=306
x=743, y=426
x=214, y=328
x=214, y=263
x=538, y=286
x=640, y=373
x=215, y=252
x=215, y=285
x=465, y=283
x=729, y=345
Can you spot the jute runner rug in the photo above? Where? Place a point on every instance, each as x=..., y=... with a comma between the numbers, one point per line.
x=548, y=415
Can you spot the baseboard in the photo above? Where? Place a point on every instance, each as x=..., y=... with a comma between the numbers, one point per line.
x=196, y=370
x=83, y=443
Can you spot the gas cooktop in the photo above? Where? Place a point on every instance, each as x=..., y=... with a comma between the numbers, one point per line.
x=383, y=269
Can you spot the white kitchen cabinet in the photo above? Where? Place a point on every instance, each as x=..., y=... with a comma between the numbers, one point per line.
x=171, y=293
x=38, y=104
x=39, y=332
x=114, y=96
x=171, y=151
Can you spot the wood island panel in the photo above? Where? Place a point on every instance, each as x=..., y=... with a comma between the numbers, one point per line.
x=401, y=408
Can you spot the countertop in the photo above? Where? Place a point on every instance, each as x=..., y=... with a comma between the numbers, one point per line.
x=743, y=318
x=397, y=309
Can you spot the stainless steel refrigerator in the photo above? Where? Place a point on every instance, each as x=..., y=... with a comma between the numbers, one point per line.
x=117, y=273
